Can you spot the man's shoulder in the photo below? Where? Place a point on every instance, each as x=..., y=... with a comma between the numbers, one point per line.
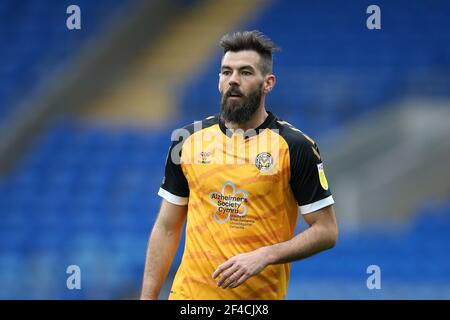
x=180, y=135
x=292, y=135
x=202, y=124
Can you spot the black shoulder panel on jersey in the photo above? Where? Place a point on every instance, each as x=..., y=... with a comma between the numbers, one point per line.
x=202, y=124
x=305, y=162
x=174, y=180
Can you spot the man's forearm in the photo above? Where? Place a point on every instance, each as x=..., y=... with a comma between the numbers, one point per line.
x=315, y=239
x=161, y=250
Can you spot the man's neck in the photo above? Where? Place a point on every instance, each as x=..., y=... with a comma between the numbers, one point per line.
x=256, y=120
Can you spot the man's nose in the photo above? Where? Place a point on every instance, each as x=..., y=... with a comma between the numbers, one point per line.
x=234, y=80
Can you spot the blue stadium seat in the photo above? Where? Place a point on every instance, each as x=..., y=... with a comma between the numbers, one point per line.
x=87, y=196
x=34, y=41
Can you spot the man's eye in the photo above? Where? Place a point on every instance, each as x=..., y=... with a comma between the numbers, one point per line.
x=226, y=73
x=246, y=73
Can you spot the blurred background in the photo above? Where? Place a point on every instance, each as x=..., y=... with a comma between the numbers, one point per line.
x=86, y=117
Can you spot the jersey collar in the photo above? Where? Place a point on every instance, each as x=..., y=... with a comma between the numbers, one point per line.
x=270, y=119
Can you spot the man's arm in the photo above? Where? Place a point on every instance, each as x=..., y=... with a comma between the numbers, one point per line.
x=321, y=235
x=162, y=246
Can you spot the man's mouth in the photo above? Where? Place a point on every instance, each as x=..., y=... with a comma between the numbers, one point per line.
x=235, y=95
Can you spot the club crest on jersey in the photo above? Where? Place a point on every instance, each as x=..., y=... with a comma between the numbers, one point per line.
x=264, y=161
x=322, y=177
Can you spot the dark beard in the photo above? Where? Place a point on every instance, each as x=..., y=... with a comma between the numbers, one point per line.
x=240, y=111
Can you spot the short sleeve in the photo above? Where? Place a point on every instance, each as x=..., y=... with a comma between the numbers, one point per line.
x=308, y=181
x=174, y=187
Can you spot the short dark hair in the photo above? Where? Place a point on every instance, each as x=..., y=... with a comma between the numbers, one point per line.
x=251, y=40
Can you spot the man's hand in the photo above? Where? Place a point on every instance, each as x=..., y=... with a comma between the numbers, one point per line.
x=321, y=235
x=239, y=268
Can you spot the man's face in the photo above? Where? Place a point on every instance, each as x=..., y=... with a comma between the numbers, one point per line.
x=241, y=85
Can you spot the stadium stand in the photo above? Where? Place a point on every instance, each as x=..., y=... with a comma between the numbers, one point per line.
x=86, y=194
x=81, y=195
x=331, y=70
x=34, y=42
x=413, y=260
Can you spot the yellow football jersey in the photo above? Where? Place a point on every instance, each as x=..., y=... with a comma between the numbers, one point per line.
x=243, y=192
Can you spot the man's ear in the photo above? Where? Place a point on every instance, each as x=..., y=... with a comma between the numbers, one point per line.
x=269, y=83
